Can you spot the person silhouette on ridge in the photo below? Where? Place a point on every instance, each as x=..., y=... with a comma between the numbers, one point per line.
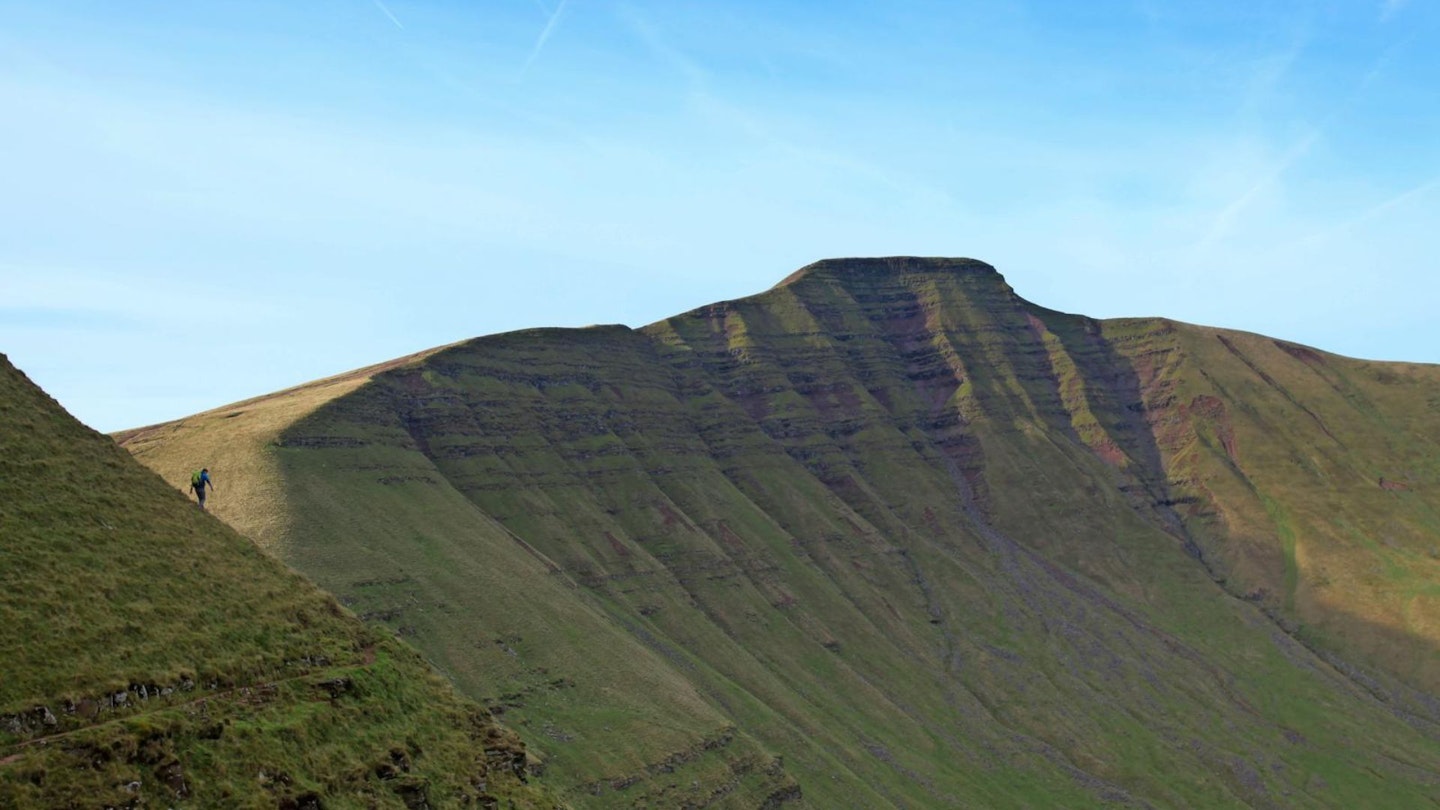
x=198, y=482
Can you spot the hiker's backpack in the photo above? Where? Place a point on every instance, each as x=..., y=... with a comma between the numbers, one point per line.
x=195, y=480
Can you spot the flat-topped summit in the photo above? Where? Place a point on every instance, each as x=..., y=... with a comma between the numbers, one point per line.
x=876, y=268
x=886, y=535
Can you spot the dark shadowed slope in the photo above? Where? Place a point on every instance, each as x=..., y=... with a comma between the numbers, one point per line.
x=919, y=540
x=150, y=656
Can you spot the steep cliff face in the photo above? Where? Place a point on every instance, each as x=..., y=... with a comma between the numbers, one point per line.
x=890, y=535
x=150, y=656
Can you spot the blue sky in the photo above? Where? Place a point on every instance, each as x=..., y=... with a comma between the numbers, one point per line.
x=206, y=201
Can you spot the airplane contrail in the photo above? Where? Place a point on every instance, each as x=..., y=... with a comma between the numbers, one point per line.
x=1399, y=200
x=387, y=13
x=544, y=36
x=1269, y=178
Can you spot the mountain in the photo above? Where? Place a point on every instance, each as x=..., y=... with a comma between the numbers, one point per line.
x=886, y=535
x=152, y=657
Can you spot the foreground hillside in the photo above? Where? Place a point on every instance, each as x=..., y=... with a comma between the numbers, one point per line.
x=150, y=656
x=886, y=535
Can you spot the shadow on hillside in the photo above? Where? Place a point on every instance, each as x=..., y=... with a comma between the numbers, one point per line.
x=1118, y=398
x=1408, y=701
x=1131, y=415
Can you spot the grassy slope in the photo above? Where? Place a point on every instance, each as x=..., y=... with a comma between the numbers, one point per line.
x=849, y=515
x=236, y=439
x=380, y=530
x=153, y=656
x=1345, y=490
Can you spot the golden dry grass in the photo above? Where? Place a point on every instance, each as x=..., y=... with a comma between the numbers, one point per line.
x=237, y=443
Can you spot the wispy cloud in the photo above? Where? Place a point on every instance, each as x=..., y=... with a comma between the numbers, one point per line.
x=1389, y=8
x=761, y=129
x=1150, y=12
x=1379, y=211
x=656, y=42
x=386, y=11
x=1274, y=173
x=1271, y=72
x=1398, y=201
x=1270, y=178
x=545, y=33
x=1383, y=209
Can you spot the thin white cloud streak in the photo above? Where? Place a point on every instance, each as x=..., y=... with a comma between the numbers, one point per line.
x=756, y=126
x=1271, y=73
x=1372, y=214
x=544, y=36
x=1260, y=89
x=1224, y=222
x=1377, y=71
x=652, y=38
x=386, y=11
x=1398, y=201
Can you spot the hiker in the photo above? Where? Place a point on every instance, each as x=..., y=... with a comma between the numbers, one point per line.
x=198, y=482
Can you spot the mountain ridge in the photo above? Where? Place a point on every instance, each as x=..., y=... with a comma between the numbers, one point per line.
x=967, y=511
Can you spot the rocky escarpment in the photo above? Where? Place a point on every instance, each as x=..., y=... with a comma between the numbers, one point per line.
x=903, y=539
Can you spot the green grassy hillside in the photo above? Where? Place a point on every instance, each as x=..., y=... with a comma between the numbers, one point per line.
x=150, y=656
x=888, y=535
